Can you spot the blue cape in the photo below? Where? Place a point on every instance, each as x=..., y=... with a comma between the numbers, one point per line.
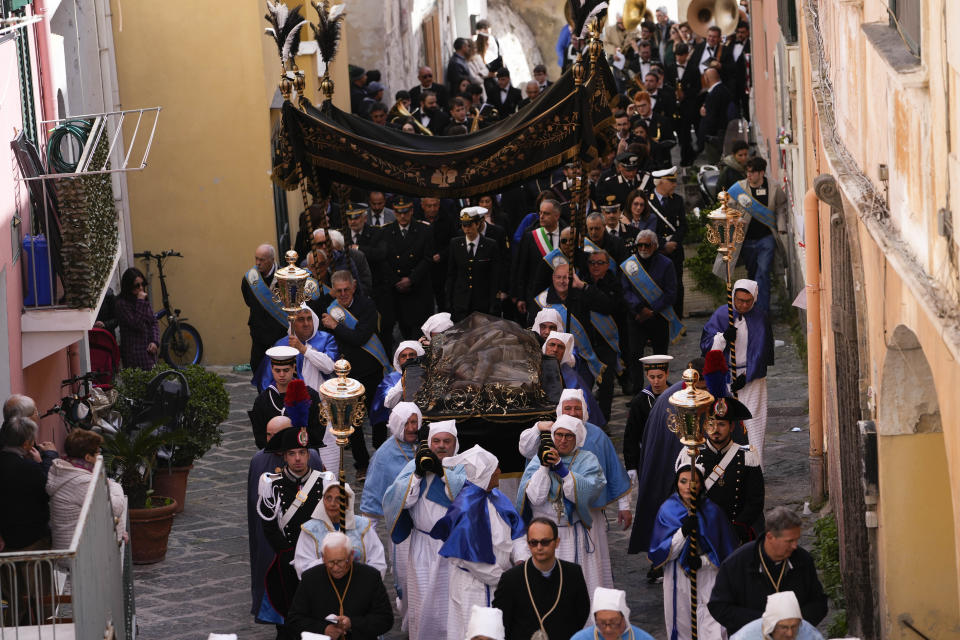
x=715, y=538
x=465, y=528
x=385, y=465
x=618, y=482
x=658, y=454
x=378, y=412
x=588, y=478
x=588, y=634
x=397, y=518
x=321, y=341
x=759, y=340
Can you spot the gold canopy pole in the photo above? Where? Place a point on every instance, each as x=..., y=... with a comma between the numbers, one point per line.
x=725, y=229
x=342, y=406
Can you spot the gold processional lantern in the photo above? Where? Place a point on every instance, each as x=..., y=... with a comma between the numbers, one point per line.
x=691, y=412
x=342, y=406
x=294, y=286
x=725, y=229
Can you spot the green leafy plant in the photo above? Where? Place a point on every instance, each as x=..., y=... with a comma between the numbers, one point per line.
x=132, y=458
x=701, y=263
x=826, y=552
x=207, y=407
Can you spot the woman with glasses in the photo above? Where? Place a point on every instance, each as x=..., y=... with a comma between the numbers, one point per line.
x=139, y=331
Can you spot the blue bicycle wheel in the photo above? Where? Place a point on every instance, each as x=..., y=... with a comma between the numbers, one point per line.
x=181, y=345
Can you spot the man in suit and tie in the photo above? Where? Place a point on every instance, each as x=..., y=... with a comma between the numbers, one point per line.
x=409, y=256
x=430, y=115
x=425, y=76
x=735, y=69
x=715, y=112
x=540, y=76
x=663, y=101
x=534, y=245
x=378, y=214
x=457, y=69
x=506, y=99
x=473, y=272
x=708, y=50
x=684, y=75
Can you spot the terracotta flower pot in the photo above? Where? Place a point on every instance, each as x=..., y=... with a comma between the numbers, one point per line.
x=172, y=482
x=150, y=530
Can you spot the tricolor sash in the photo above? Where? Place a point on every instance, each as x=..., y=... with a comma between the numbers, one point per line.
x=581, y=341
x=373, y=346
x=587, y=242
x=542, y=239
x=264, y=295
x=651, y=292
x=607, y=329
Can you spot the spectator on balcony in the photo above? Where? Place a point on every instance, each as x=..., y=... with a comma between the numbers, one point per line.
x=67, y=484
x=24, y=505
x=139, y=332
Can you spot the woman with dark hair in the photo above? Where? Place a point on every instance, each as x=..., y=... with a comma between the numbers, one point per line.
x=495, y=215
x=139, y=331
x=638, y=213
x=670, y=550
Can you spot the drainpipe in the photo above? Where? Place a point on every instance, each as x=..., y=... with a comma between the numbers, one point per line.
x=811, y=227
x=42, y=32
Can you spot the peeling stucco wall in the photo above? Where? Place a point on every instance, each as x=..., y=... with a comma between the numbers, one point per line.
x=545, y=19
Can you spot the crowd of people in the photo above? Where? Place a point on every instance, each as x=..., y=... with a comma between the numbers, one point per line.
x=472, y=554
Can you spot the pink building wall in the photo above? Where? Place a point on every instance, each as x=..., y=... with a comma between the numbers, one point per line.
x=765, y=34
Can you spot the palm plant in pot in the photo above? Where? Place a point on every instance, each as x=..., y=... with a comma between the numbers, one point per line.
x=207, y=406
x=132, y=455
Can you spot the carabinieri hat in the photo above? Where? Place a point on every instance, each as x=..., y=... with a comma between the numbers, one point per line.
x=356, y=210
x=628, y=160
x=402, y=203
x=282, y=356
x=610, y=203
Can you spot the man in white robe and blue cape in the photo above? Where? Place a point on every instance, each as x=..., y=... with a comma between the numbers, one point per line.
x=413, y=504
x=318, y=351
x=562, y=486
x=386, y=464
x=390, y=390
x=482, y=536
x=618, y=482
x=611, y=617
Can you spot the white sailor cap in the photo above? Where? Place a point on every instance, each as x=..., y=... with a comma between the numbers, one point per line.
x=471, y=214
x=669, y=174
x=282, y=355
x=656, y=362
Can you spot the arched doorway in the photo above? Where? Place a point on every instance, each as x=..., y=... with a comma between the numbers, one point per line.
x=915, y=537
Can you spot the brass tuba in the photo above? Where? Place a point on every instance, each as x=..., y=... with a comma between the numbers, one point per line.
x=406, y=114
x=703, y=14
x=635, y=12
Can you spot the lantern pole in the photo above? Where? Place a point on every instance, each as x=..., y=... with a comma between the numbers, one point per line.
x=726, y=229
x=691, y=408
x=342, y=406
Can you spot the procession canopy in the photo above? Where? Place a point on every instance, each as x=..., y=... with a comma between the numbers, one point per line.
x=330, y=145
x=484, y=367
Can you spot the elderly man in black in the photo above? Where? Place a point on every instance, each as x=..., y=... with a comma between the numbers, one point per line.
x=341, y=598
x=772, y=564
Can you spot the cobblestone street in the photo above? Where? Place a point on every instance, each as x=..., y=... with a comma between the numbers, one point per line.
x=204, y=584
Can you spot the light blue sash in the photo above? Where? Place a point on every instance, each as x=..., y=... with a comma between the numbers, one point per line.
x=651, y=292
x=607, y=329
x=581, y=340
x=555, y=258
x=756, y=210
x=373, y=346
x=264, y=296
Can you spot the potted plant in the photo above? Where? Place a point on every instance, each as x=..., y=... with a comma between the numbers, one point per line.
x=207, y=407
x=131, y=456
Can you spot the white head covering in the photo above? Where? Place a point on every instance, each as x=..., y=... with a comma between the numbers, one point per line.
x=750, y=286
x=573, y=394
x=329, y=479
x=309, y=635
x=573, y=425
x=437, y=323
x=485, y=621
x=445, y=426
x=547, y=315
x=406, y=344
x=780, y=606
x=316, y=320
x=478, y=463
x=399, y=416
x=610, y=600
x=567, y=340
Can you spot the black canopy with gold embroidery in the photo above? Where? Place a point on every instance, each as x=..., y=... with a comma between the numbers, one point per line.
x=333, y=146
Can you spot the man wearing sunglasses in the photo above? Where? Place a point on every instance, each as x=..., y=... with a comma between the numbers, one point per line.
x=425, y=76
x=556, y=603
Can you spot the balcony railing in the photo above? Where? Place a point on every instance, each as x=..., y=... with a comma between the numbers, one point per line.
x=85, y=591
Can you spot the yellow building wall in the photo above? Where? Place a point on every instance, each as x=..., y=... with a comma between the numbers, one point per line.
x=915, y=537
x=207, y=191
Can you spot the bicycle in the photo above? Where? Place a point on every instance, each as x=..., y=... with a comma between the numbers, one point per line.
x=180, y=342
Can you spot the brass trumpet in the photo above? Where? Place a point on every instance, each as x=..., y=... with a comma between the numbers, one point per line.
x=406, y=114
